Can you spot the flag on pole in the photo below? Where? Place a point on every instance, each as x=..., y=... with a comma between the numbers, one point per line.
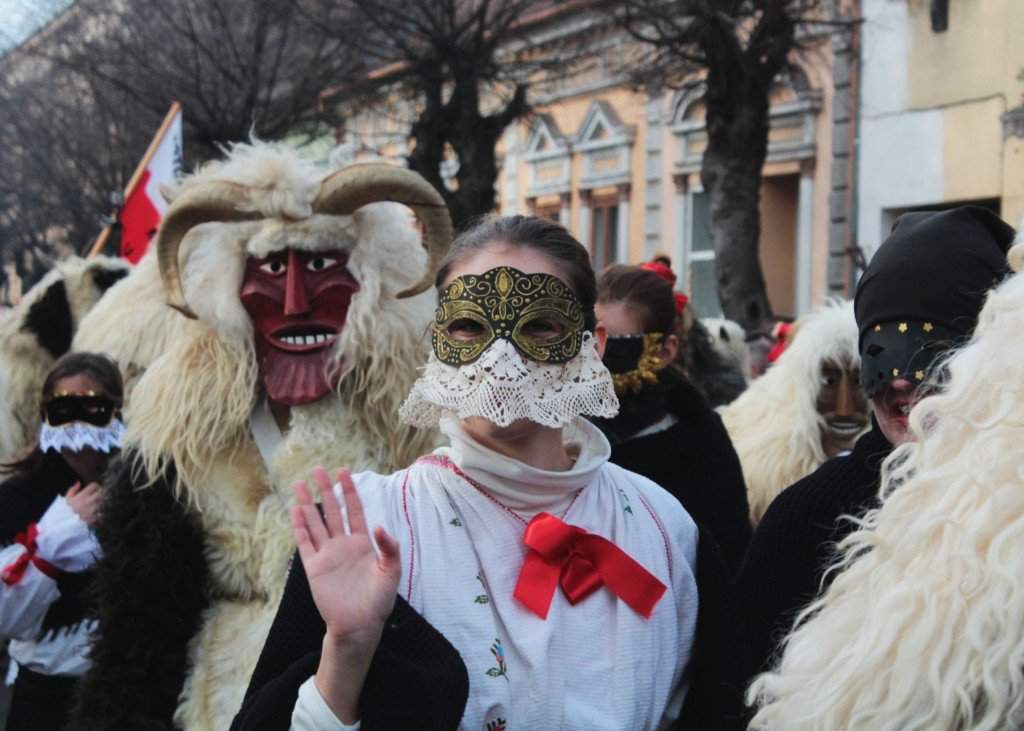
x=144, y=206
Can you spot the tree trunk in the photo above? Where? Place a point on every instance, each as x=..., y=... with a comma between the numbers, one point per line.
x=474, y=138
x=428, y=133
x=737, y=124
x=478, y=172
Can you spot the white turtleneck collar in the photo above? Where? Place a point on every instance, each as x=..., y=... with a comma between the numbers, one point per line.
x=522, y=488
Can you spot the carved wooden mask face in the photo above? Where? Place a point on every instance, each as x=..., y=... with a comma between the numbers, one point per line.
x=842, y=405
x=297, y=302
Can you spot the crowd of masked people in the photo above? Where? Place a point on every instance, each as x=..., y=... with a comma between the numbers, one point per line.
x=831, y=545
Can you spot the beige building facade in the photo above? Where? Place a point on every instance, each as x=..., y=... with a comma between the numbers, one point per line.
x=621, y=169
x=941, y=110
x=914, y=104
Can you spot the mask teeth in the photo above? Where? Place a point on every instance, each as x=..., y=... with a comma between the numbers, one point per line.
x=317, y=339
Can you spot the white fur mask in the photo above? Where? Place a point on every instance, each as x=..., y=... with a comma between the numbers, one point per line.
x=502, y=387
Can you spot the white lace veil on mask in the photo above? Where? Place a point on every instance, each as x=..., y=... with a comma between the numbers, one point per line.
x=76, y=436
x=504, y=386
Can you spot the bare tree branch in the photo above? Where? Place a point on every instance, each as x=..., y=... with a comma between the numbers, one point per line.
x=80, y=102
x=465, y=67
x=736, y=49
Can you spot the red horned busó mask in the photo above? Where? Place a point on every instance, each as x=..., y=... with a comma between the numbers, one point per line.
x=297, y=302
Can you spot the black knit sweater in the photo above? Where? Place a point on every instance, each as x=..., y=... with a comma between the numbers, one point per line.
x=795, y=541
x=695, y=461
x=417, y=679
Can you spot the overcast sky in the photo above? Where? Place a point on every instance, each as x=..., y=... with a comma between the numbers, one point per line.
x=22, y=17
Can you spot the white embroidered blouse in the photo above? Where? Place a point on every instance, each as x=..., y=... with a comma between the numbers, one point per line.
x=459, y=516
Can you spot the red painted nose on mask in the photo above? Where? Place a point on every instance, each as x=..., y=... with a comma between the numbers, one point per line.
x=296, y=298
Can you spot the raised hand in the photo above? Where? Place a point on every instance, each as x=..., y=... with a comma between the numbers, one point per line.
x=354, y=590
x=85, y=501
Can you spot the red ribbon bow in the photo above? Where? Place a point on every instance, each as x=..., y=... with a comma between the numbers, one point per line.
x=13, y=572
x=581, y=563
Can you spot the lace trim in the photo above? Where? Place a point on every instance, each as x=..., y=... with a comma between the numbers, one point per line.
x=77, y=436
x=503, y=387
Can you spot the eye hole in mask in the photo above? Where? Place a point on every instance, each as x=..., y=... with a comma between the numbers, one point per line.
x=465, y=329
x=95, y=410
x=542, y=328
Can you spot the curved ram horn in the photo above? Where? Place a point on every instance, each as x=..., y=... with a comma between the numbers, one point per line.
x=214, y=201
x=357, y=185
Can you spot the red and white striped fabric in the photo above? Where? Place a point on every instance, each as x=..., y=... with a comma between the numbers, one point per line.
x=144, y=206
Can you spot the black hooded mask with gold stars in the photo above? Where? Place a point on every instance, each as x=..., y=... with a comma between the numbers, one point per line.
x=923, y=290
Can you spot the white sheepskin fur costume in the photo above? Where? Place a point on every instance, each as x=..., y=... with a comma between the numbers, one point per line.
x=199, y=383
x=24, y=360
x=132, y=324
x=924, y=626
x=730, y=340
x=774, y=425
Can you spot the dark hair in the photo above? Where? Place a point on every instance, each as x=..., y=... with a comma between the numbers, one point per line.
x=541, y=234
x=95, y=365
x=642, y=290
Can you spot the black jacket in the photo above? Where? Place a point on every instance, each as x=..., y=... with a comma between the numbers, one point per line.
x=795, y=541
x=417, y=679
x=695, y=461
x=25, y=497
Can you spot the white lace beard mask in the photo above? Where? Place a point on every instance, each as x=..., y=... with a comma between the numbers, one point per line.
x=78, y=435
x=503, y=387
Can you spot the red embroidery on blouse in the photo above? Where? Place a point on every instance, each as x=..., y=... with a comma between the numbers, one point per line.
x=661, y=529
x=412, y=536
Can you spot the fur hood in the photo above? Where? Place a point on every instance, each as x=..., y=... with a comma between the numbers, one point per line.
x=775, y=425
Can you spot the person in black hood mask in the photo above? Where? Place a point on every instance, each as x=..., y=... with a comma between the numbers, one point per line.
x=918, y=298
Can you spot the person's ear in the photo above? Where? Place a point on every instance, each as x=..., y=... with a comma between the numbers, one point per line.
x=669, y=351
x=600, y=338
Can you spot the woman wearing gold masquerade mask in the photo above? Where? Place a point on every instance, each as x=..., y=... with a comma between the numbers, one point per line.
x=515, y=579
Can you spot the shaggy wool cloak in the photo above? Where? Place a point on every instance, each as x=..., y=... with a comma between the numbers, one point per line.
x=151, y=587
x=795, y=541
x=418, y=681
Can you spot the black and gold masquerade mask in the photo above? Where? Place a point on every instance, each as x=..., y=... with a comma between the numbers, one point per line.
x=87, y=408
x=537, y=313
x=633, y=360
